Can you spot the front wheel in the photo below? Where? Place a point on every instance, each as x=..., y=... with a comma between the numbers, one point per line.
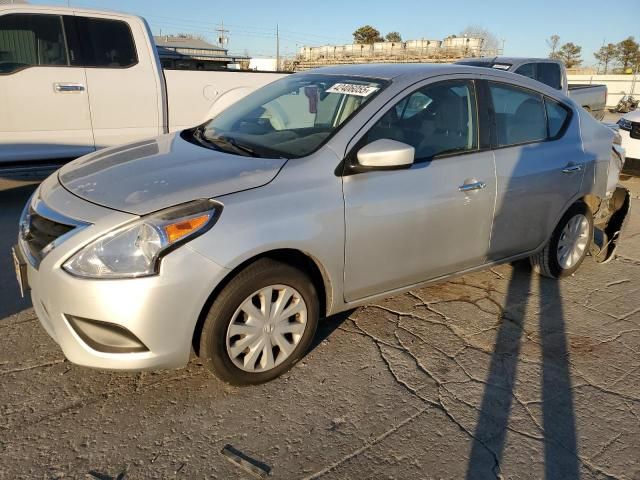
x=568, y=246
x=260, y=324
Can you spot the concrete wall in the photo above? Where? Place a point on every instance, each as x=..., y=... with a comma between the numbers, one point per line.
x=617, y=85
x=263, y=64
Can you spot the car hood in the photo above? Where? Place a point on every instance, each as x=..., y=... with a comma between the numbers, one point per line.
x=147, y=176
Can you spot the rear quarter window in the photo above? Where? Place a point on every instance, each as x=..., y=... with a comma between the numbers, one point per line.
x=557, y=117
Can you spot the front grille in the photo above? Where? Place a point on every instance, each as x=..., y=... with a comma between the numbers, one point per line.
x=41, y=232
x=635, y=130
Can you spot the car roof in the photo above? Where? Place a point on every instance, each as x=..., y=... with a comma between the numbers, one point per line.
x=390, y=71
x=61, y=10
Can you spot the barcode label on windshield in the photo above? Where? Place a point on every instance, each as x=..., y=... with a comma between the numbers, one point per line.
x=352, y=89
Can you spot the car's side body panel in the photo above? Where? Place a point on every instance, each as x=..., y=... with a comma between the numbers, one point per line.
x=301, y=209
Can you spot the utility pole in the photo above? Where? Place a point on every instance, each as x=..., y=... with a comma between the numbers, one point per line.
x=222, y=38
x=277, y=48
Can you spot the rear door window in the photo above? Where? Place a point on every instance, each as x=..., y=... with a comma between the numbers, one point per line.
x=105, y=43
x=519, y=115
x=528, y=70
x=28, y=40
x=550, y=74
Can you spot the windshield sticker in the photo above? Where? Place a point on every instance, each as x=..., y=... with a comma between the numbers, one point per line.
x=352, y=89
x=501, y=66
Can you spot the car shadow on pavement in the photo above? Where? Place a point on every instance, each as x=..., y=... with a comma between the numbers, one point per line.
x=12, y=201
x=556, y=402
x=327, y=326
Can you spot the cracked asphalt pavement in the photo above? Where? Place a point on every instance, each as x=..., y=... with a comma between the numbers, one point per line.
x=497, y=374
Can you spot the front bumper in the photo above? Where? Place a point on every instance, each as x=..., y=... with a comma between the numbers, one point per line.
x=161, y=310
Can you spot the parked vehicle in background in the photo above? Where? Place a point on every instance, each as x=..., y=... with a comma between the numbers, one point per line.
x=318, y=193
x=629, y=125
x=75, y=80
x=592, y=98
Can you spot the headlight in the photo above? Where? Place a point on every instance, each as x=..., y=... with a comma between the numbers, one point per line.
x=624, y=124
x=136, y=249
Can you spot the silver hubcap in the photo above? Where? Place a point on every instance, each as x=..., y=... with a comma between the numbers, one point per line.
x=573, y=241
x=266, y=328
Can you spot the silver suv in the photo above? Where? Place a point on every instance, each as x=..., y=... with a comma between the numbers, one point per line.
x=318, y=193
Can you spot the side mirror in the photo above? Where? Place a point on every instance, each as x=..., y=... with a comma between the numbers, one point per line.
x=385, y=154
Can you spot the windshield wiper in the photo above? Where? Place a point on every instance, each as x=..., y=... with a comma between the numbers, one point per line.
x=198, y=134
x=222, y=141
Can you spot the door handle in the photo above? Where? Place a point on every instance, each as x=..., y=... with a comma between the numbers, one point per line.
x=469, y=187
x=68, y=87
x=571, y=169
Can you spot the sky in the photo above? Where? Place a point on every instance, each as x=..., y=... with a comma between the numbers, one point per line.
x=522, y=24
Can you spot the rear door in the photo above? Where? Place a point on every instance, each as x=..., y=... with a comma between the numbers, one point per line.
x=44, y=106
x=122, y=79
x=408, y=226
x=539, y=167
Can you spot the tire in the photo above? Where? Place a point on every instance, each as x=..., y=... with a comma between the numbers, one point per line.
x=548, y=262
x=228, y=314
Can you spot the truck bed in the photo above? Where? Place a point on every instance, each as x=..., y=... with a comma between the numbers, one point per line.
x=196, y=96
x=591, y=97
x=579, y=86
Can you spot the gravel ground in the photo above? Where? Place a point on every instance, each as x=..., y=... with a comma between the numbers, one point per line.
x=495, y=374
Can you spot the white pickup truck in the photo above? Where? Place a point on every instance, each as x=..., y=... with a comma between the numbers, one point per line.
x=75, y=80
x=592, y=98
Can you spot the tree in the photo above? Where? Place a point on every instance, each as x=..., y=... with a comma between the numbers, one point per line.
x=367, y=35
x=628, y=53
x=552, y=42
x=393, y=37
x=490, y=41
x=606, y=55
x=570, y=54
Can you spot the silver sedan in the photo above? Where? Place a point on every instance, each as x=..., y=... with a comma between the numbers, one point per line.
x=320, y=192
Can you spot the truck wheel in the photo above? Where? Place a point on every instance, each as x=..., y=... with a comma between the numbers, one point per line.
x=568, y=246
x=260, y=324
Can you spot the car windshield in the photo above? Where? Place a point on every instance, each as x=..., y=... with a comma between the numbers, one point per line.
x=289, y=118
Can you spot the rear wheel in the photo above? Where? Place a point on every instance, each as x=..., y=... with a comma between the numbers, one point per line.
x=568, y=246
x=260, y=324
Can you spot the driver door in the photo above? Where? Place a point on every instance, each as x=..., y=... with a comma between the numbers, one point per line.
x=404, y=227
x=43, y=100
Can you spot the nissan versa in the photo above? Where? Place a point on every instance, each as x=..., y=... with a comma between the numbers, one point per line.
x=315, y=194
